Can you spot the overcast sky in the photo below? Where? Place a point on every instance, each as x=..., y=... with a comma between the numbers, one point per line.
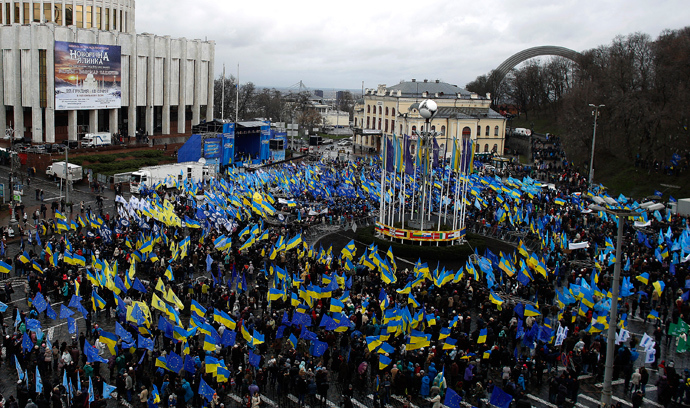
x=337, y=45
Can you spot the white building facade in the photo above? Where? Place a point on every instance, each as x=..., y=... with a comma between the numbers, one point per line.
x=166, y=84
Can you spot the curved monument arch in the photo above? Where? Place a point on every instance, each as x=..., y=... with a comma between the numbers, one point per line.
x=517, y=58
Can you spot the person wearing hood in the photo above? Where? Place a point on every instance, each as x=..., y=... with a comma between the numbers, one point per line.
x=424, y=390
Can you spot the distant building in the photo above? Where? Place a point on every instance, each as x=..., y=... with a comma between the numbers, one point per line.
x=318, y=93
x=339, y=96
x=70, y=67
x=461, y=114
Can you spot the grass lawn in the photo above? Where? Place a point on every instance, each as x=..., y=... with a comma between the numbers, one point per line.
x=110, y=164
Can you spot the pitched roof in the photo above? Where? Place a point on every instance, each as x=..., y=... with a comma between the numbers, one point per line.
x=416, y=88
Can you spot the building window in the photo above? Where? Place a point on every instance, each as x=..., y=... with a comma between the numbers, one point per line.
x=496, y=131
x=89, y=17
x=466, y=133
x=27, y=13
x=414, y=129
x=495, y=149
x=401, y=130
x=42, y=78
x=8, y=14
x=37, y=13
x=69, y=16
x=386, y=110
x=379, y=121
x=98, y=17
x=368, y=108
x=392, y=125
x=80, y=16
x=122, y=21
x=433, y=128
x=486, y=148
x=114, y=19
x=443, y=130
x=386, y=126
x=487, y=131
x=380, y=111
x=368, y=122
x=393, y=111
x=479, y=130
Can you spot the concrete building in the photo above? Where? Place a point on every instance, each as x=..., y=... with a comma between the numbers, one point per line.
x=461, y=114
x=164, y=85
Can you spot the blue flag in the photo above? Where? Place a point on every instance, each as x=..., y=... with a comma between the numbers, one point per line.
x=137, y=285
x=452, y=399
x=39, y=382
x=500, y=398
x=228, y=338
x=209, y=261
x=254, y=359
x=145, y=343
x=40, y=302
x=72, y=325
x=107, y=390
x=175, y=362
x=20, y=373
x=318, y=348
x=27, y=344
x=51, y=313
x=205, y=390
x=189, y=365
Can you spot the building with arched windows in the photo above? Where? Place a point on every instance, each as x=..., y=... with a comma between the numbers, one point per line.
x=461, y=114
x=78, y=66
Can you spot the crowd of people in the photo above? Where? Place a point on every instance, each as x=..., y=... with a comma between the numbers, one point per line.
x=191, y=303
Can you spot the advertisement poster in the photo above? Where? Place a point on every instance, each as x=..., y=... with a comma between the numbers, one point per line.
x=212, y=148
x=87, y=76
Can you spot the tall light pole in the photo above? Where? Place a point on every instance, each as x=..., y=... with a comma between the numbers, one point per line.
x=595, y=112
x=427, y=110
x=621, y=214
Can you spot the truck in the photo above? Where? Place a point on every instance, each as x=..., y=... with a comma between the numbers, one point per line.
x=97, y=139
x=682, y=207
x=169, y=175
x=57, y=169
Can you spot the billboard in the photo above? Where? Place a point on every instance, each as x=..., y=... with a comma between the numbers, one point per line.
x=87, y=76
x=212, y=148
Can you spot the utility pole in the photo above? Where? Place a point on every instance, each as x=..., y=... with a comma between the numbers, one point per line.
x=595, y=112
x=10, y=131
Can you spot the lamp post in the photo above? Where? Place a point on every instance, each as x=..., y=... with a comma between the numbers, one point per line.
x=621, y=214
x=427, y=110
x=595, y=112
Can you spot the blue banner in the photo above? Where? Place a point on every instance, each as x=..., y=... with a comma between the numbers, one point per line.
x=212, y=148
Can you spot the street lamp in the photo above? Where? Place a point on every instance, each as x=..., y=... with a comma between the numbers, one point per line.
x=621, y=214
x=427, y=110
x=595, y=112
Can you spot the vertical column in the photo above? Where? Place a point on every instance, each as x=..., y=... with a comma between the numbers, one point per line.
x=211, y=85
x=182, y=103
x=112, y=121
x=150, y=83
x=18, y=107
x=50, y=87
x=72, y=125
x=21, y=14
x=93, y=121
x=167, y=81
x=132, y=108
x=50, y=125
x=196, y=103
x=52, y=11
x=36, y=110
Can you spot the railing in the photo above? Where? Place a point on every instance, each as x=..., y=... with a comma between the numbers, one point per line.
x=502, y=233
x=318, y=231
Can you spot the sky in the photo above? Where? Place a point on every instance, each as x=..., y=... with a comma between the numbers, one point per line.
x=340, y=45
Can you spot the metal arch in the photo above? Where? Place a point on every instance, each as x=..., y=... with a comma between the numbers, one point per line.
x=524, y=55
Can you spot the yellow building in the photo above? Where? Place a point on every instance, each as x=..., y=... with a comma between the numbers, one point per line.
x=389, y=110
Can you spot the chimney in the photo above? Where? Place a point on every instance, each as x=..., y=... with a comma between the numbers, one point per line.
x=414, y=80
x=437, y=81
x=426, y=80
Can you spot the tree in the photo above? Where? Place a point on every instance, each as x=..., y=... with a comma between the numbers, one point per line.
x=346, y=103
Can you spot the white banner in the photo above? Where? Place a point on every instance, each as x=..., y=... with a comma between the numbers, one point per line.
x=578, y=245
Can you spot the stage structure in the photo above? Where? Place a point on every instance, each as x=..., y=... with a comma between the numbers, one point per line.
x=423, y=195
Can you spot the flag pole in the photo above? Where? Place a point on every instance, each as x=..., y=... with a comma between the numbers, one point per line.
x=383, y=180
